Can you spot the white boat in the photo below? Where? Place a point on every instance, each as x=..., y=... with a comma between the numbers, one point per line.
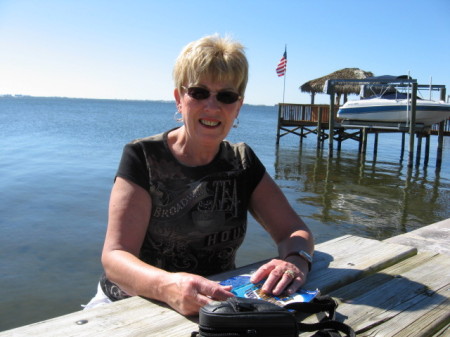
x=394, y=108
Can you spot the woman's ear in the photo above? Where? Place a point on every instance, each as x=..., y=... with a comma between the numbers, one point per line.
x=241, y=103
x=176, y=94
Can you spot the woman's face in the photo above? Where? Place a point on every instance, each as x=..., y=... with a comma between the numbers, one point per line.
x=208, y=120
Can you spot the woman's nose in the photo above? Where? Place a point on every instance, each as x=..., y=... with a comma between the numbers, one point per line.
x=212, y=102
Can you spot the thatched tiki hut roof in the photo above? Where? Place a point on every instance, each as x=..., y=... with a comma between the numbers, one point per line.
x=316, y=86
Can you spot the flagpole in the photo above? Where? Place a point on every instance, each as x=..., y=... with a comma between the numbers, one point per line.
x=285, y=73
x=281, y=69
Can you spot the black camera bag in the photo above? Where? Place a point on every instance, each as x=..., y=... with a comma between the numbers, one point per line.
x=238, y=317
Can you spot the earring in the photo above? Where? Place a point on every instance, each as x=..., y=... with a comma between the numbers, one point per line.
x=236, y=123
x=176, y=118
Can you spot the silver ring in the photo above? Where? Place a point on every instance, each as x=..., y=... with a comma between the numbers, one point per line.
x=290, y=273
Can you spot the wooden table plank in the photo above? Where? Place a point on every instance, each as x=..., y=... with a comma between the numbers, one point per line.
x=343, y=260
x=410, y=298
x=444, y=332
x=336, y=263
x=432, y=238
x=346, y=259
x=131, y=317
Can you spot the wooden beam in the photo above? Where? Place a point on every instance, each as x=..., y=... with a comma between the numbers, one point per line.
x=412, y=124
x=331, y=123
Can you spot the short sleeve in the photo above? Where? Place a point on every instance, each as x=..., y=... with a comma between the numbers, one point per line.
x=133, y=165
x=258, y=168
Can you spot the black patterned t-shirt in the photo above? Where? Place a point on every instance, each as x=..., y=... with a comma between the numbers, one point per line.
x=198, y=214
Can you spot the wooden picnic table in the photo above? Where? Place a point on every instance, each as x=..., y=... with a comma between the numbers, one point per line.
x=384, y=289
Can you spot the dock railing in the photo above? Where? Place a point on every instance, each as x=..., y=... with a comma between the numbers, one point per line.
x=299, y=113
x=299, y=118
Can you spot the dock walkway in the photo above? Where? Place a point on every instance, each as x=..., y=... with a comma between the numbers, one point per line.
x=384, y=289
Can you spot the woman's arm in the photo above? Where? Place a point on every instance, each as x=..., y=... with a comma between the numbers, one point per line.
x=270, y=207
x=129, y=215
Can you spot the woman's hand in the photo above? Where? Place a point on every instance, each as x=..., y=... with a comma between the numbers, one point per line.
x=282, y=276
x=187, y=293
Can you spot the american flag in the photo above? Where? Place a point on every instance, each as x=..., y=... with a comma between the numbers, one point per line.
x=281, y=68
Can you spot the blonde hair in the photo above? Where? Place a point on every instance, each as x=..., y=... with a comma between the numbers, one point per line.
x=215, y=58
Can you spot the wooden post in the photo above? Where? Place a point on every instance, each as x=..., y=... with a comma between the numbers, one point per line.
x=360, y=140
x=412, y=124
x=331, y=122
x=279, y=122
x=402, y=152
x=427, y=150
x=419, y=149
x=442, y=91
x=375, y=146
x=440, y=136
x=364, y=140
x=319, y=127
x=339, y=140
x=440, y=145
x=301, y=116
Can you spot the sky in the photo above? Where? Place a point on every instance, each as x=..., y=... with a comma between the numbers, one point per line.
x=126, y=49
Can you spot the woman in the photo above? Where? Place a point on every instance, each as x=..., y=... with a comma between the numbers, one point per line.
x=178, y=207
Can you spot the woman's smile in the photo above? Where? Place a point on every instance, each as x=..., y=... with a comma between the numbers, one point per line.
x=209, y=122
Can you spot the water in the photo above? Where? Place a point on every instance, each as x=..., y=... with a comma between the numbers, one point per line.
x=58, y=158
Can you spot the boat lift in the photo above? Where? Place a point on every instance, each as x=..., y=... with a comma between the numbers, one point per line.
x=411, y=125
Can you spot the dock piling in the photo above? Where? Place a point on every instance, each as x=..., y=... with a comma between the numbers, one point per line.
x=331, y=119
x=412, y=124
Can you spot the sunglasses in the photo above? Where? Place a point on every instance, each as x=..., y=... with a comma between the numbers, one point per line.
x=224, y=96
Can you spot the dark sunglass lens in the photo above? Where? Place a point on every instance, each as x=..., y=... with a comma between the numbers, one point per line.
x=227, y=97
x=198, y=93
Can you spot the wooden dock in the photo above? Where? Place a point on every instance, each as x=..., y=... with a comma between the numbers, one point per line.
x=314, y=119
x=384, y=289
x=303, y=119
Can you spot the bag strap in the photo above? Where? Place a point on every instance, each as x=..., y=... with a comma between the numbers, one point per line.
x=320, y=304
x=327, y=326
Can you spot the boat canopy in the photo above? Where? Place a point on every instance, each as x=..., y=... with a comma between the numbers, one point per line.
x=383, y=88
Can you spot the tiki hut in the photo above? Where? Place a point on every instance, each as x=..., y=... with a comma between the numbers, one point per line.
x=316, y=86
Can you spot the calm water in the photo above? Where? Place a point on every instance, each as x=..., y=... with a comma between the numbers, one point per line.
x=57, y=162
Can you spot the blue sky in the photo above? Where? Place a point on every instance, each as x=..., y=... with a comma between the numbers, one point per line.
x=126, y=49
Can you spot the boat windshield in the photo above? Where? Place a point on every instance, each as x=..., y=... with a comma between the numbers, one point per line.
x=392, y=95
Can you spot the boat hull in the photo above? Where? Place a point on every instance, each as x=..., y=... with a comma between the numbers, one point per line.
x=386, y=110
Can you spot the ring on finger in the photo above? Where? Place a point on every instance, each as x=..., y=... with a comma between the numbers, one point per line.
x=290, y=273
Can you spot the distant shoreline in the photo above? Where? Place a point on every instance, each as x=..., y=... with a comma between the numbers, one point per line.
x=105, y=99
